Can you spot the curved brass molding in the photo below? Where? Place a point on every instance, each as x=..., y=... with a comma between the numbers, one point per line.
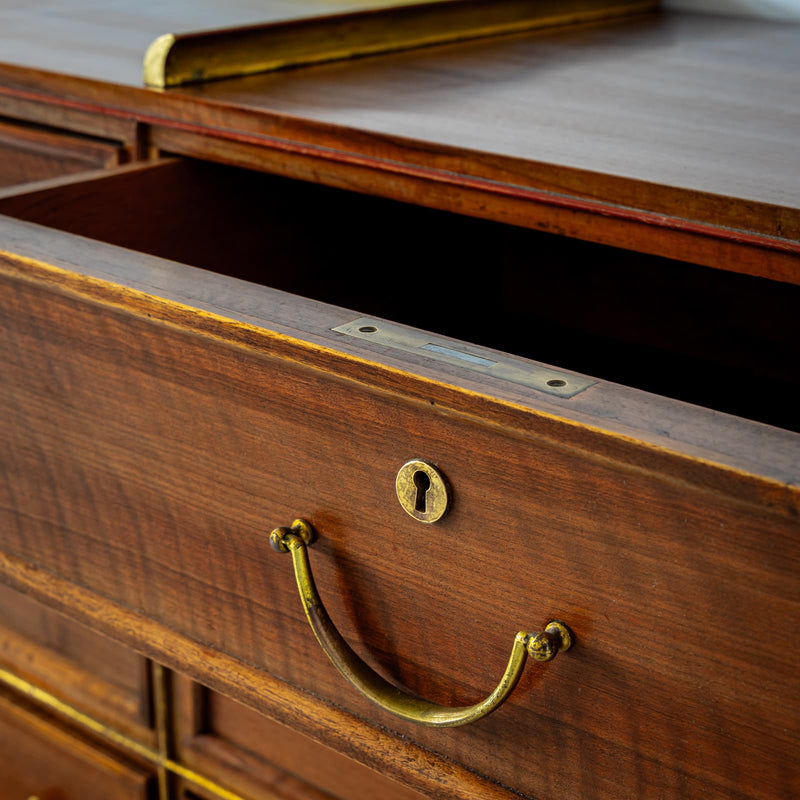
x=154, y=72
x=541, y=646
x=176, y=59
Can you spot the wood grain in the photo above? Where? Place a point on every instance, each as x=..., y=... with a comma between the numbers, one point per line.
x=31, y=154
x=76, y=42
x=700, y=336
x=752, y=463
x=663, y=124
x=81, y=667
x=627, y=112
x=376, y=747
x=39, y=758
x=156, y=420
x=54, y=115
x=253, y=754
x=104, y=419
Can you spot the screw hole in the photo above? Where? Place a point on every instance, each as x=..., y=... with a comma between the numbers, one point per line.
x=556, y=382
x=368, y=329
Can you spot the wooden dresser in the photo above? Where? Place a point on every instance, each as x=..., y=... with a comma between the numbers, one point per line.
x=561, y=267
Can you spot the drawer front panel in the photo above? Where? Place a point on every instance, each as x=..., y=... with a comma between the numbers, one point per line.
x=149, y=465
x=32, y=154
x=254, y=755
x=39, y=759
x=81, y=667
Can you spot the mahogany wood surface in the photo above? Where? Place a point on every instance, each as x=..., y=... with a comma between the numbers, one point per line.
x=72, y=662
x=251, y=754
x=667, y=102
x=375, y=746
x=679, y=123
x=158, y=417
x=526, y=206
x=699, y=335
x=109, y=42
x=65, y=118
x=753, y=462
x=148, y=464
x=41, y=759
x=30, y=154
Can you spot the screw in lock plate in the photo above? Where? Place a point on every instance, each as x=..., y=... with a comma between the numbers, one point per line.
x=422, y=491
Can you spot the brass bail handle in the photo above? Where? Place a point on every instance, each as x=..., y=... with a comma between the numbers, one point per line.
x=541, y=646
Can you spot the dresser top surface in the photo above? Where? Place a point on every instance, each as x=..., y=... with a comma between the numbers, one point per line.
x=693, y=102
x=107, y=39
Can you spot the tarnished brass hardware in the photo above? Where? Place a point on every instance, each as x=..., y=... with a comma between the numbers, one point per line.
x=300, y=527
x=540, y=646
x=554, y=639
x=160, y=759
x=467, y=356
x=422, y=491
x=306, y=36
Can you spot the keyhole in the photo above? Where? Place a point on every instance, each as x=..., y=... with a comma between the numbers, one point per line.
x=423, y=483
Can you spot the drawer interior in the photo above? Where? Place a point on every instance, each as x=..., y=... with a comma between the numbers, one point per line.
x=706, y=336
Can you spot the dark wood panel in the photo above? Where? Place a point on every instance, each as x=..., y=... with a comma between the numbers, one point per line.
x=592, y=98
x=687, y=115
x=375, y=746
x=187, y=789
x=253, y=754
x=78, y=665
x=679, y=330
x=63, y=117
x=147, y=446
x=32, y=154
x=681, y=123
x=75, y=42
x=40, y=759
x=542, y=210
x=106, y=416
x=690, y=444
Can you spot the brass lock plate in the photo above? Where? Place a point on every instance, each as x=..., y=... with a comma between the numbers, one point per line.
x=467, y=356
x=422, y=491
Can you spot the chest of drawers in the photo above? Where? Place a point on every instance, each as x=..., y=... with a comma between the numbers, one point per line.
x=182, y=373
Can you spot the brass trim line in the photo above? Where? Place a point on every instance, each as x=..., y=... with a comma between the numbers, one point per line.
x=174, y=59
x=542, y=646
x=122, y=741
x=161, y=720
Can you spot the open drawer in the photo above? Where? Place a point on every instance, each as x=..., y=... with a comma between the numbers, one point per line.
x=159, y=420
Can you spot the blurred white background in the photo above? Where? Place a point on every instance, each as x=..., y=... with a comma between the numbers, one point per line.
x=766, y=9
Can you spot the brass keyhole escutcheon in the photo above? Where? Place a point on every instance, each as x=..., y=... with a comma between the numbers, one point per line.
x=422, y=491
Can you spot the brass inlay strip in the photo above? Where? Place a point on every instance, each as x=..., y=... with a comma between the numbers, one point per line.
x=109, y=734
x=161, y=714
x=470, y=357
x=177, y=58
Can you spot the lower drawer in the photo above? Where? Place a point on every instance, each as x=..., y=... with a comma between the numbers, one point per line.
x=29, y=153
x=256, y=757
x=84, y=669
x=40, y=759
x=159, y=420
